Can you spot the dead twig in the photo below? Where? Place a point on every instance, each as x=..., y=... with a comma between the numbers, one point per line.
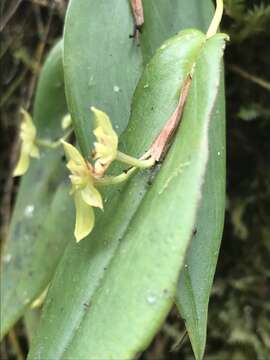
x=256, y=80
x=15, y=345
x=39, y=54
x=5, y=208
x=11, y=11
x=179, y=343
x=13, y=87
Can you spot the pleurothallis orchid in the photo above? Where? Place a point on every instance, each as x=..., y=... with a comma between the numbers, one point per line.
x=86, y=177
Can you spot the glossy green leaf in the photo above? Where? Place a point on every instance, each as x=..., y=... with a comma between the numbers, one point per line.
x=102, y=64
x=35, y=242
x=31, y=322
x=196, y=279
x=162, y=21
x=125, y=272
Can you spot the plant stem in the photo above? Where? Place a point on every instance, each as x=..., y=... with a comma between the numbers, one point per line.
x=15, y=344
x=140, y=163
x=212, y=30
x=53, y=144
x=114, y=180
x=261, y=82
x=14, y=85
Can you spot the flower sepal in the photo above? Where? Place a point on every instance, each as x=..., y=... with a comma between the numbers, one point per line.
x=28, y=146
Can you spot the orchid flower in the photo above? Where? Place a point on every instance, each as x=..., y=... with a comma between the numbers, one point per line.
x=28, y=147
x=86, y=196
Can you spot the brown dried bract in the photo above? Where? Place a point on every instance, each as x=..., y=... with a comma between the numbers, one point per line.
x=161, y=144
x=137, y=9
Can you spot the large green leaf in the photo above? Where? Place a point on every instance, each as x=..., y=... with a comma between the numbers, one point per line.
x=35, y=242
x=125, y=272
x=161, y=21
x=196, y=279
x=101, y=63
x=31, y=321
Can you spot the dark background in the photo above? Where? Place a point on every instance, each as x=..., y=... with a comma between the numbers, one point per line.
x=239, y=313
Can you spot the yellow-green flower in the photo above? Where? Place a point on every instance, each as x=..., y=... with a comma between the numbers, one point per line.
x=28, y=147
x=86, y=196
x=107, y=142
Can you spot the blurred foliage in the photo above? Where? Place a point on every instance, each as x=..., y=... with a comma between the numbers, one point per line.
x=239, y=308
x=253, y=112
x=239, y=328
x=246, y=21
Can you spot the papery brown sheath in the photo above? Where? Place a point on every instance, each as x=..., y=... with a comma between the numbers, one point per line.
x=162, y=142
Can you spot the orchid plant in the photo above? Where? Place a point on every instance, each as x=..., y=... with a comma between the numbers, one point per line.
x=85, y=177
x=156, y=242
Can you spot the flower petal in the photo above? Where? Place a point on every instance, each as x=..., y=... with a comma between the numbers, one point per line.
x=85, y=217
x=35, y=152
x=91, y=196
x=107, y=142
x=101, y=151
x=73, y=154
x=27, y=124
x=102, y=120
x=22, y=165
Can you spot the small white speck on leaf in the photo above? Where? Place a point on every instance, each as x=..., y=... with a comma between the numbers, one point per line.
x=7, y=258
x=29, y=210
x=151, y=299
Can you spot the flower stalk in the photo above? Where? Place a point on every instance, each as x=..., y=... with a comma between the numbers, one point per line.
x=213, y=28
x=54, y=144
x=86, y=178
x=31, y=143
x=139, y=163
x=115, y=180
